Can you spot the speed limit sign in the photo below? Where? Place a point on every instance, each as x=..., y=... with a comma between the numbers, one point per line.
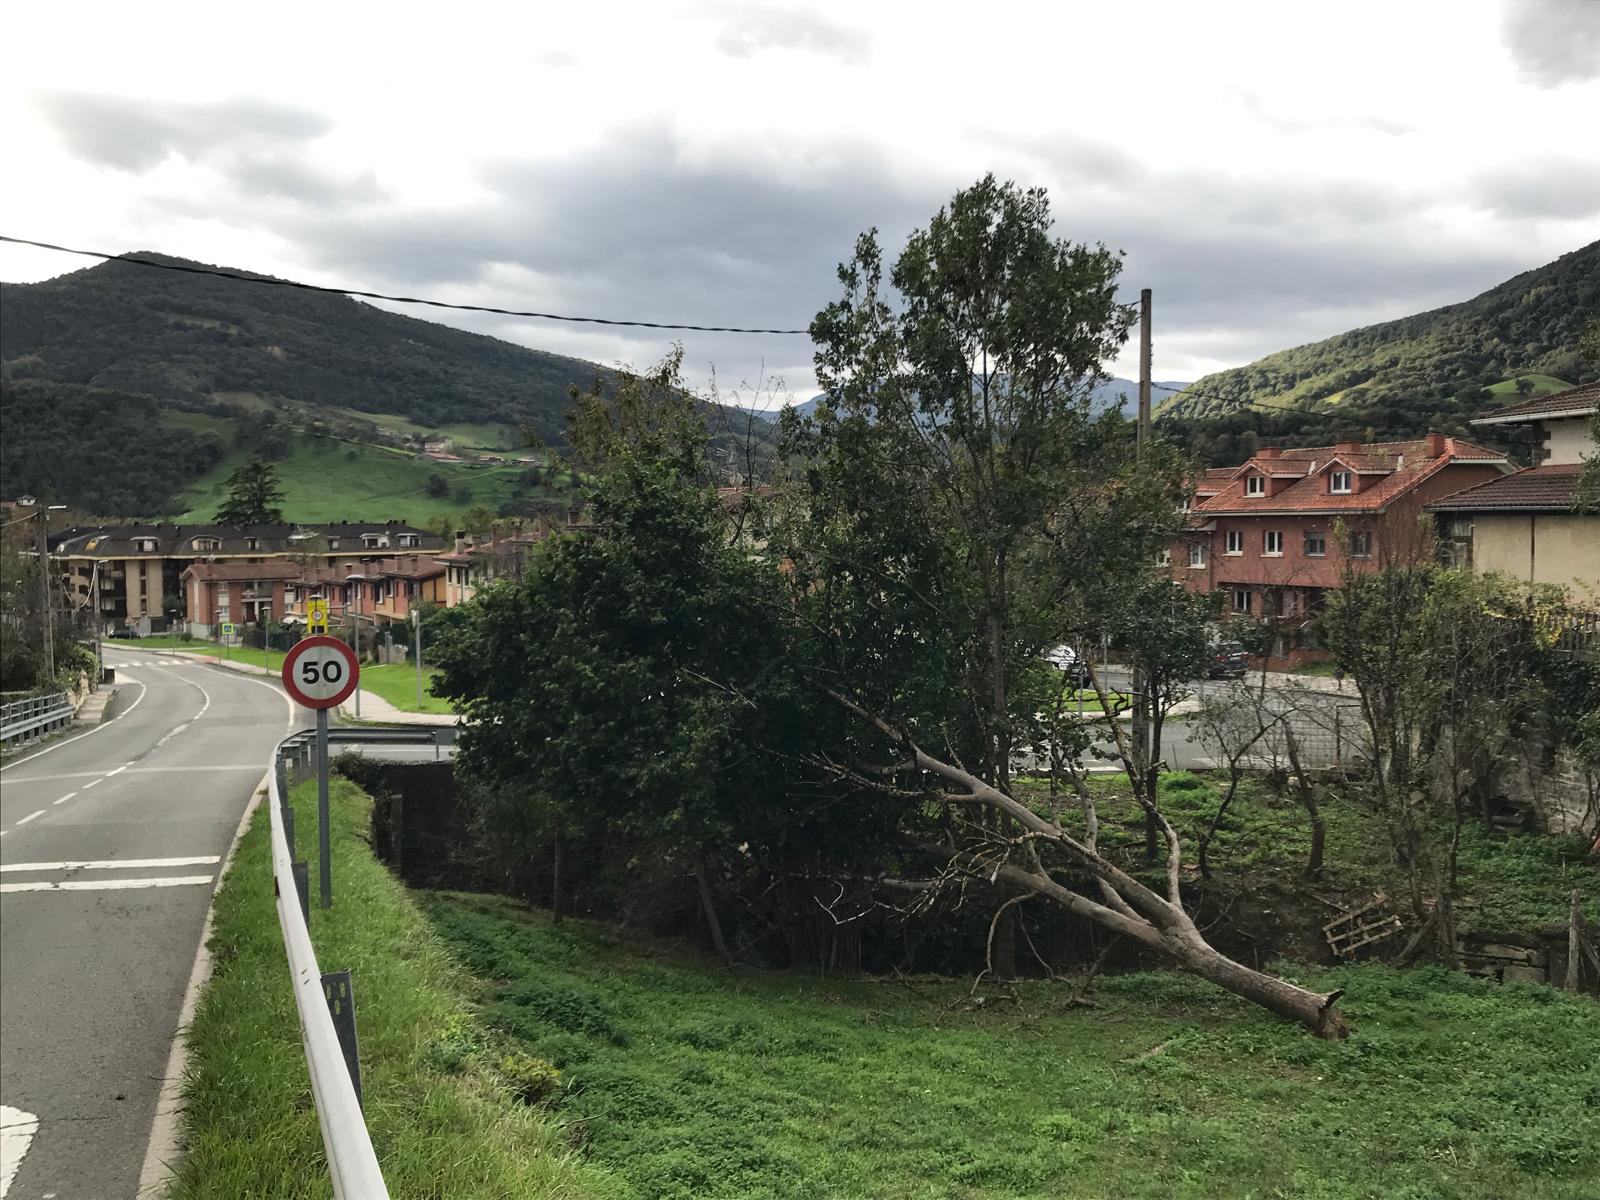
x=320, y=672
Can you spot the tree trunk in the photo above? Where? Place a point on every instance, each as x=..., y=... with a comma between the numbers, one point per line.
x=1314, y=1010
x=1308, y=800
x=558, y=900
x=710, y=909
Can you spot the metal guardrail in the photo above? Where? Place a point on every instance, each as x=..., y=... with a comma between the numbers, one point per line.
x=35, y=715
x=326, y=1003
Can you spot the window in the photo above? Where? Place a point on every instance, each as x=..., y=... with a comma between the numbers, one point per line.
x=1255, y=485
x=1197, y=556
x=1339, y=483
x=1361, y=545
x=1272, y=543
x=408, y=539
x=1241, y=600
x=1316, y=544
x=1235, y=542
x=147, y=545
x=205, y=543
x=1163, y=558
x=333, y=543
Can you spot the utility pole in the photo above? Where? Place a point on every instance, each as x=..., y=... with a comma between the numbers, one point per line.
x=416, y=621
x=1144, y=755
x=1144, y=369
x=44, y=589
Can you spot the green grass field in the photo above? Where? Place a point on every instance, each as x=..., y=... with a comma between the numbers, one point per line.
x=397, y=683
x=440, y=1104
x=695, y=1081
x=1506, y=389
x=327, y=480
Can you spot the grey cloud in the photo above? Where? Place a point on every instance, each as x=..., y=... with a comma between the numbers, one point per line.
x=640, y=228
x=1553, y=41
x=1567, y=188
x=132, y=135
x=283, y=176
x=789, y=29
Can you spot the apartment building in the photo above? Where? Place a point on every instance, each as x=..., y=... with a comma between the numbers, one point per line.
x=1276, y=533
x=135, y=571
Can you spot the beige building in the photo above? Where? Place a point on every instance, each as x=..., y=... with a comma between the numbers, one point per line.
x=1526, y=524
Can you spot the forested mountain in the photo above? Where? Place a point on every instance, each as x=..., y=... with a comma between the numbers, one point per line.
x=1429, y=370
x=186, y=338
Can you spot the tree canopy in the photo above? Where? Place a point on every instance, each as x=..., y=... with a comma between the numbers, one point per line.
x=254, y=497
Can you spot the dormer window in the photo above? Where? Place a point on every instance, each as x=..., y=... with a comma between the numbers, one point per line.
x=251, y=543
x=408, y=539
x=147, y=545
x=1255, y=485
x=333, y=543
x=1339, y=483
x=206, y=543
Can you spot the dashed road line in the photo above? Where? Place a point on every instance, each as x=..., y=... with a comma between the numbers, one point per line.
x=65, y=798
x=16, y=1135
x=28, y=818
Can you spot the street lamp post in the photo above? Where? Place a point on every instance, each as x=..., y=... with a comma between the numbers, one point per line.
x=44, y=589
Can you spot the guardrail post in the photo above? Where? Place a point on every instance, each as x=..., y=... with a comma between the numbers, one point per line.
x=302, y=886
x=341, y=997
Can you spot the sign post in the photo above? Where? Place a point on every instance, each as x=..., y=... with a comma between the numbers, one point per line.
x=320, y=673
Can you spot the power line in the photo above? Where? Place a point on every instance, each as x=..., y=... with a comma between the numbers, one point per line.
x=343, y=291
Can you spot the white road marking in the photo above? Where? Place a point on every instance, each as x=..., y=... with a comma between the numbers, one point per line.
x=115, y=864
x=53, y=747
x=30, y=817
x=215, y=767
x=65, y=798
x=16, y=1135
x=96, y=783
x=105, y=885
x=118, y=771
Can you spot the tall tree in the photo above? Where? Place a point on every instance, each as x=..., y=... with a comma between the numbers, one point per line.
x=254, y=497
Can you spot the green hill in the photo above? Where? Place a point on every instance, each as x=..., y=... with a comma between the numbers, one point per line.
x=194, y=339
x=131, y=391
x=1432, y=368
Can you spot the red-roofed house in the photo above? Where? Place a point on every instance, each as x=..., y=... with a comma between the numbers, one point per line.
x=1526, y=524
x=1267, y=534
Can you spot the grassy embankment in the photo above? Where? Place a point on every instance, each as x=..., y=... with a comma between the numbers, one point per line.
x=1509, y=883
x=439, y=1095
x=697, y=1082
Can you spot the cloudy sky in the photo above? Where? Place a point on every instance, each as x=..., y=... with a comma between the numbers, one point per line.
x=1275, y=172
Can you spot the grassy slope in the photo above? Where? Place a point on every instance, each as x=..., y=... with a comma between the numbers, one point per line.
x=326, y=480
x=693, y=1081
x=441, y=1124
x=1513, y=883
x=397, y=683
x=1542, y=385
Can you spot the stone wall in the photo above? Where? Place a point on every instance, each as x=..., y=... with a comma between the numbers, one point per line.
x=1562, y=795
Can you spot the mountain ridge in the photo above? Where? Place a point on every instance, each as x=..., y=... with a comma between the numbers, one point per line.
x=1425, y=362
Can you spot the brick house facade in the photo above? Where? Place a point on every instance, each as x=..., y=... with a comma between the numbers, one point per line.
x=1277, y=533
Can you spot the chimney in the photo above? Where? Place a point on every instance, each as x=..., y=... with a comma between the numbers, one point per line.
x=1436, y=445
x=1269, y=452
x=572, y=514
x=1348, y=448
x=461, y=540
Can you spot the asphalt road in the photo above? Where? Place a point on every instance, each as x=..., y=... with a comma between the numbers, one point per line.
x=110, y=845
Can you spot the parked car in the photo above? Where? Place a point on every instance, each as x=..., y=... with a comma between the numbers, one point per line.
x=1228, y=661
x=1065, y=659
x=124, y=632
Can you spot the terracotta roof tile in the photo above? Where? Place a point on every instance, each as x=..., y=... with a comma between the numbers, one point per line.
x=1574, y=402
x=1310, y=494
x=1550, y=489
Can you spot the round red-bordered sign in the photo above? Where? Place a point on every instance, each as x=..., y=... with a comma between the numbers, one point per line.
x=321, y=672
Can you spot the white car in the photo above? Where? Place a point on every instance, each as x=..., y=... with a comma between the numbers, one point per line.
x=1065, y=658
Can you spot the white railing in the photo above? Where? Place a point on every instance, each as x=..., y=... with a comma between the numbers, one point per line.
x=352, y=1162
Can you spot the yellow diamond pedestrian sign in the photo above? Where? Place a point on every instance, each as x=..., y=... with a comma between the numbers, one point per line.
x=317, y=616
